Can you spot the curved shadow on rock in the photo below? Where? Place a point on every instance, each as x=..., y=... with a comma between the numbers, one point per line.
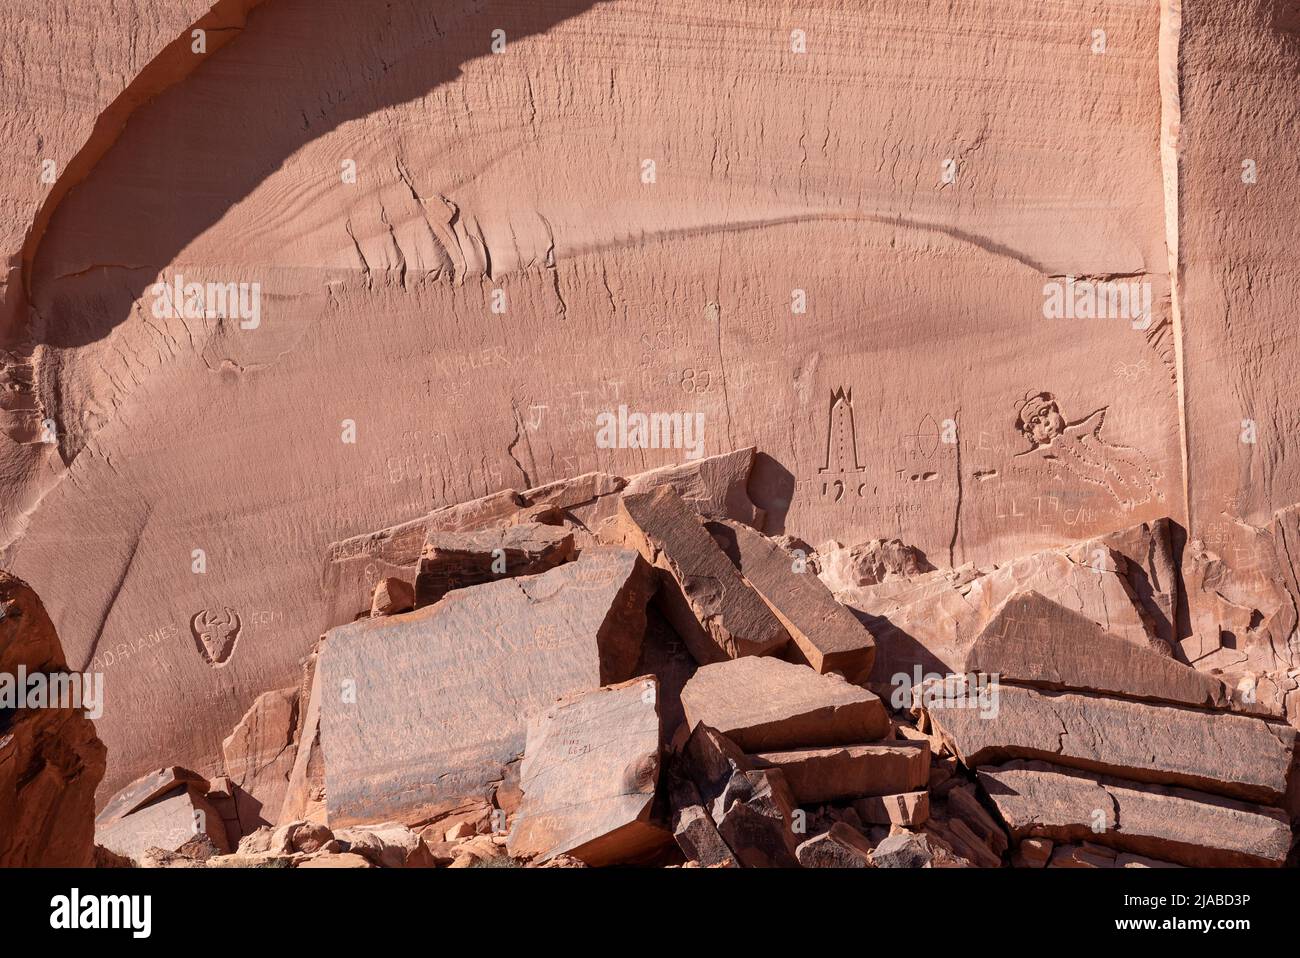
x=299, y=70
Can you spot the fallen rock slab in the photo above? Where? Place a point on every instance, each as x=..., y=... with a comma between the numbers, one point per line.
x=709, y=761
x=825, y=634
x=1218, y=752
x=934, y=619
x=455, y=560
x=178, y=822
x=148, y=788
x=818, y=775
x=1035, y=641
x=420, y=712
x=908, y=809
x=575, y=495
x=716, y=486
x=706, y=600
x=1039, y=800
x=354, y=566
x=841, y=847
x=764, y=704
x=590, y=768
x=697, y=837
x=392, y=596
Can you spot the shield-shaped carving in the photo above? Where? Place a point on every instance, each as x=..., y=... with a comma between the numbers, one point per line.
x=215, y=634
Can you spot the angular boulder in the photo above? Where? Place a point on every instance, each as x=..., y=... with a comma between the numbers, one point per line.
x=904, y=850
x=757, y=820
x=392, y=596
x=817, y=775
x=1039, y=800
x=1034, y=641
x=715, y=486
x=590, y=768
x=843, y=846
x=697, y=837
x=908, y=809
x=180, y=821
x=421, y=711
x=456, y=560
x=763, y=704
x=1218, y=752
x=825, y=634
x=148, y=788
x=706, y=600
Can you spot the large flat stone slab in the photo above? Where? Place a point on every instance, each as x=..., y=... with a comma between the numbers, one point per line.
x=1039, y=800
x=589, y=773
x=178, y=819
x=1214, y=751
x=850, y=771
x=456, y=560
x=707, y=601
x=1036, y=641
x=419, y=711
x=763, y=704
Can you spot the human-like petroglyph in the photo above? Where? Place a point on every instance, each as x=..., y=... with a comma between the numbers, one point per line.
x=1078, y=448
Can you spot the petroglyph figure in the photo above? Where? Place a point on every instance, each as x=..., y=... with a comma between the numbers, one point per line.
x=841, y=435
x=1078, y=448
x=215, y=635
x=841, y=449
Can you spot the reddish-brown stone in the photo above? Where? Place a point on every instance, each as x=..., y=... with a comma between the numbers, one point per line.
x=762, y=703
x=706, y=600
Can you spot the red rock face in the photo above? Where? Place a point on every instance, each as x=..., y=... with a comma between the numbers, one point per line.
x=291, y=289
x=50, y=759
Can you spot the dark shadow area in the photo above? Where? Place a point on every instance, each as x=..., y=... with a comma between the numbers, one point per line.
x=300, y=69
x=1182, y=612
x=771, y=488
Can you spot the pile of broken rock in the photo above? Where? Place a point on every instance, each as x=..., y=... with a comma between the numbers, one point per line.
x=609, y=671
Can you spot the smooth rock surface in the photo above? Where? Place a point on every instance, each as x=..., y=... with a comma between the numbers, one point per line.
x=762, y=703
x=590, y=768
x=419, y=711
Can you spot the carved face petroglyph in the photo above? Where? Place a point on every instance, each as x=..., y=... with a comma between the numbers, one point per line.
x=215, y=635
x=1040, y=419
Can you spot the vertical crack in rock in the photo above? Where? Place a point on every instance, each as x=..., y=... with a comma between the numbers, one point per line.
x=714, y=313
x=1170, y=69
x=956, y=516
